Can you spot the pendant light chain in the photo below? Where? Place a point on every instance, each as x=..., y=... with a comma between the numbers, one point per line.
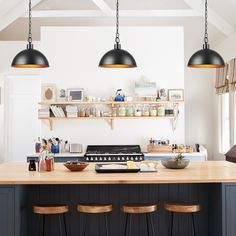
x=30, y=24
x=206, y=24
x=117, y=23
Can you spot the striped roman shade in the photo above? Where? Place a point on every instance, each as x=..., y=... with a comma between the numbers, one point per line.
x=222, y=82
x=232, y=75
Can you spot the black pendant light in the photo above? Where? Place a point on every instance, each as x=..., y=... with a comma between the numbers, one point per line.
x=30, y=58
x=206, y=58
x=117, y=57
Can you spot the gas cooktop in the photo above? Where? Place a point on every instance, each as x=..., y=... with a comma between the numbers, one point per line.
x=113, y=153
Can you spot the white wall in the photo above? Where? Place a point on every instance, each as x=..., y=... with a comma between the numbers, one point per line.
x=8, y=51
x=74, y=54
x=198, y=126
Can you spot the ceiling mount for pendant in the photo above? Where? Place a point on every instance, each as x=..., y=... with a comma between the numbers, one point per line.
x=117, y=57
x=206, y=58
x=30, y=58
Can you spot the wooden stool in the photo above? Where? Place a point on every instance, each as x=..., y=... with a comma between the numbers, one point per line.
x=174, y=207
x=95, y=209
x=139, y=209
x=55, y=209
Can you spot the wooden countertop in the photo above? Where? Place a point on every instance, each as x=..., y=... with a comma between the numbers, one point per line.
x=196, y=172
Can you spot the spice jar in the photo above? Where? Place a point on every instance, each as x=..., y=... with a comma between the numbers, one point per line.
x=121, y=110
x=129, y=110
x=153, y=111
x=114, y=111
x=161, y=110
x=146, y=111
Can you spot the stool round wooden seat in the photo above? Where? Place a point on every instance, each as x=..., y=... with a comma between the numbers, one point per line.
x=94, y=208
x=175, y=207
x=182, y=207
x=139, y=209
x=52, y=209
x=132, y=209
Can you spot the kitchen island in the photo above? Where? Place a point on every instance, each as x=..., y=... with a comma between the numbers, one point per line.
x=212, y=184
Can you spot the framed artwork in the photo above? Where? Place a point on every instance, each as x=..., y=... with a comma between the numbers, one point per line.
x=144, y=89
x=48, y=93
x=75, y=95
x=175, y=94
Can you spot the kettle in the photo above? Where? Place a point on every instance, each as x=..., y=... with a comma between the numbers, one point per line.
x=120, y=97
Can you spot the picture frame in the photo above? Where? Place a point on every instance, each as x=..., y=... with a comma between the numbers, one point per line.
x=75, y=95
x=48, y=93
x=176, y=95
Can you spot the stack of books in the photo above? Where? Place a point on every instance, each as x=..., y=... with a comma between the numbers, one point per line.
x=72, y=111
x=44, y=112
x=57, y=111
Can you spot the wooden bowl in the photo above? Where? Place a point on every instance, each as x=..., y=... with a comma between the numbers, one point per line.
x=76, y=166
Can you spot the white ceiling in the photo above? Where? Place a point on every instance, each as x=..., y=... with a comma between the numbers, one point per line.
x=187, y=13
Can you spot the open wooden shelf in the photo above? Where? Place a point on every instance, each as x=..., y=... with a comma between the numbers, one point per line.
x=111, y=104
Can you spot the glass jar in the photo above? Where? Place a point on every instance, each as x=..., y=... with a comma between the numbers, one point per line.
x=121, y=110
x=114, y=111
x=153, y=111
x=161, y=110
x=146, y=111
x=138, y=111
x=129, y=110
x=82, y=112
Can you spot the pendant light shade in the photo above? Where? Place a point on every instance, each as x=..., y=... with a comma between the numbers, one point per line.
x=117, y=57
x=206, y=58
x=30, y=58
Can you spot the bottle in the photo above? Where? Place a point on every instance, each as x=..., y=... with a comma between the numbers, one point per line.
x=38, y=145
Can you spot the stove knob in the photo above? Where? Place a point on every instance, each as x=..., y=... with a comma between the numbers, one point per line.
x=136, y=158
x=131, y=158
x=104, y=158
x=91, y=158
x=100, y=158
x=118, y=158
x=140, y=158
x=87, y=159
x=127, y=159
x=109, y=159
x=96, y=159
x=123, y=158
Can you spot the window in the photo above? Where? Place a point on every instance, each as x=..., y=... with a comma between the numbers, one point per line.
x=224, y=122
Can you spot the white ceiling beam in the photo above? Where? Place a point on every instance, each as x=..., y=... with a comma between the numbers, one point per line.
x=123, y=13
x=214, y=18
x=66, y=13
x=103, y=6
x=16, y=11
x=159, y=13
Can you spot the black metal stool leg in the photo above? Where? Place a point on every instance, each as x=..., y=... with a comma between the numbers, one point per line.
x=85, y=224
x=43, y=225
x=130, y=217
x=171, y=223
x=147, y=223
x=193, y=225
x=64, y=220
x=60, y=231
x=126, y=224
x=150, y=220
x=39, y=228
x=106, y=224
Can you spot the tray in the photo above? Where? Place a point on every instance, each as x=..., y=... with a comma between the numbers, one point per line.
x=98, y=169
